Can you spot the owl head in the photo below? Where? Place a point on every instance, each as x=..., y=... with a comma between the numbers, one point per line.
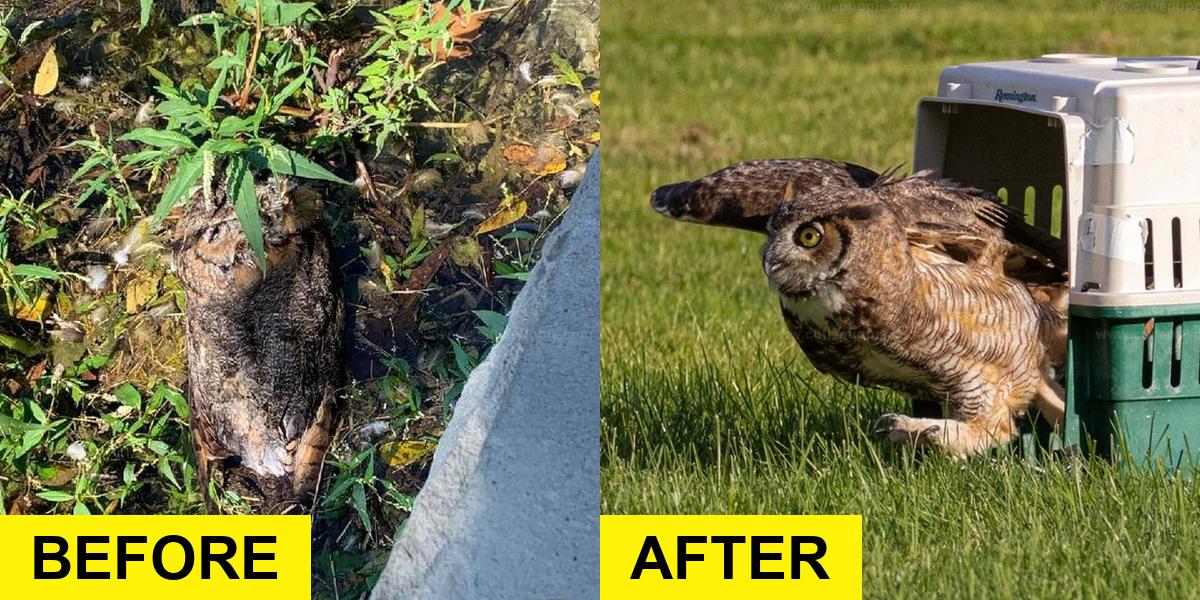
x=829, y=236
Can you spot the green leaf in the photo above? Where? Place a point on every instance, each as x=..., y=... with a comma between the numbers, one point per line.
x=19, y=345
x=177, y=108
x=233, y=125
x=160, y=77
x=11, y=426
x=92, y=162
x=190, y=168
x=568, y=74
x=158, y=138
x=158, y=447
x=145, y=17
x=215, y=91
x=493, y=323
x=445, y=157
x=178, y=402
x=143, y=156
x=164, y=468
x=226, y=60
x=239, y=185
x=286, y=93
x=35, y=272
x=53, y=496
x=208, y=18
x=360, y=505
x=278, y=14
x=28, y=30
x=283, y=161
x=338, y=488
x=222, y=147
x=128, y=395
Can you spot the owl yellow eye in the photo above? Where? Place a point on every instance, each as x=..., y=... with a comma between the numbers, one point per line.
x=809, y=236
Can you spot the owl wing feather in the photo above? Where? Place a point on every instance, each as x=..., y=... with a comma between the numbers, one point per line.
x=969, y=224
x=746, y=194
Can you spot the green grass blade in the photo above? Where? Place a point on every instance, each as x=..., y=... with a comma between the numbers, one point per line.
x=190, y=168
x=283, y=161
x=239, y=184
x=159, y=138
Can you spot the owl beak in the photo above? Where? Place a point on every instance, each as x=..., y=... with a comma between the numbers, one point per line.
x=662, y=198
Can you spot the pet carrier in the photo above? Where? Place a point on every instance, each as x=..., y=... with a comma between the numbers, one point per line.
x=1101, y=153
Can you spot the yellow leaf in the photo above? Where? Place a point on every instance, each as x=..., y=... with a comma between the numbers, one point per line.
x=389, y=280
x=510, y=210
x=595, y=137
x=556, y=164
x=596, y=97
x=33, y=312
x=403, y=454
x=138, y=292
x=47, y=74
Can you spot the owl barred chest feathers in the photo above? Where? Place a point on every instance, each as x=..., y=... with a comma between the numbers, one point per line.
x=837, y=341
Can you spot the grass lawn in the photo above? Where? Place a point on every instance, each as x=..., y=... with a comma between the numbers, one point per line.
x=707, y=404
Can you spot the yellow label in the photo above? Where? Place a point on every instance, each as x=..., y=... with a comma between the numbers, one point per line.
x=164, y=557
x=730, y=556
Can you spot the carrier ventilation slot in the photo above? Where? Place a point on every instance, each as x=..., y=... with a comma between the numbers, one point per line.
x=1176, y=253
x=1056, y=211
x=1148, y=256
x=1041, y=210
x=1176, y=351
x=1148, y=356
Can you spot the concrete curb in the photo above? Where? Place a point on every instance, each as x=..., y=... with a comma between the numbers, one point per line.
x=511, y=507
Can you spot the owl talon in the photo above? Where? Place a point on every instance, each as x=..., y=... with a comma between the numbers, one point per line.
x=884, y=424
x=902, y=428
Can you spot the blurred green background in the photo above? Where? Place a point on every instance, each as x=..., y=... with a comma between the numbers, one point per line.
x=708, y=405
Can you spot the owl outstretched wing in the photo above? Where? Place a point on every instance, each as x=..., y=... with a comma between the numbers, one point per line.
x=746, y=194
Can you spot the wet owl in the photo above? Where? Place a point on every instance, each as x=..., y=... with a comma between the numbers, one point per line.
x=919, y=286
x=264, y=345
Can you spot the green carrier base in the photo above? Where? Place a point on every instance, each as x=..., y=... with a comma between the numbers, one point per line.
x=1133, y=390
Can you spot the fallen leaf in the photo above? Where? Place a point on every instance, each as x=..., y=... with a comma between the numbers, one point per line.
x=510, y=210
x=555, y=165
x=389, y=279
x=408, y=452
x=463, y=28
x=47, y=74
x=596, y=97
x=543, y=160
x=33, y=312
x=139, y=291
x=519, y=153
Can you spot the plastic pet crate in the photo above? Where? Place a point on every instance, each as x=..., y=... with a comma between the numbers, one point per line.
x=1104, y=154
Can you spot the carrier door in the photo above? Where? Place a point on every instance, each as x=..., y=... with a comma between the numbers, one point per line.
x=1031, y=159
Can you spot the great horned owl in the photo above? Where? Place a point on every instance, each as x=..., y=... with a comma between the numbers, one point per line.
x=927, y=288
x=264, y=347
x=746, y=194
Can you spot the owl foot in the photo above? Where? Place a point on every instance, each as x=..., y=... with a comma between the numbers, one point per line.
x=959, y=439
x=901, y=428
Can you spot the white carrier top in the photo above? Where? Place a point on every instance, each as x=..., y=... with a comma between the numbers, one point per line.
x=1102, y=152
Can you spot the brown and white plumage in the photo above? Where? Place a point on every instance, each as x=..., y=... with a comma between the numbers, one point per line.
x=263, y=346
x=930, y=289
